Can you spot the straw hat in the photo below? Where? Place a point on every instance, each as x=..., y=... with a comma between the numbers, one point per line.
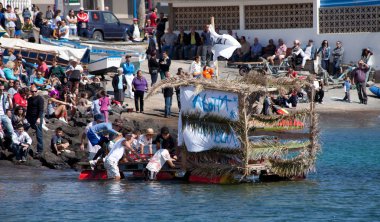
x=149, y=131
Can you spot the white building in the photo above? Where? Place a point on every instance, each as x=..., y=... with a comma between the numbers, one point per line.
x=355, y=23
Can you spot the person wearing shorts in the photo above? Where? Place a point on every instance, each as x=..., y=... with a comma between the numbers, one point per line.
x=118, y=151
x=280, y=52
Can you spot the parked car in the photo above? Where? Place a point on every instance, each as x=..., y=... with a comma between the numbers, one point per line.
x=105, y=25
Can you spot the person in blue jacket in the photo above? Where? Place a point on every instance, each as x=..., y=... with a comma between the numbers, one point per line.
x=128, y=71
x=8, y=71
x=324, y=52
x=96, y=132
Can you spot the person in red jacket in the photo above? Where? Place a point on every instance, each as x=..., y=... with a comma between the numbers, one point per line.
x=20, y=98
x=82, y=23
x=153, y=18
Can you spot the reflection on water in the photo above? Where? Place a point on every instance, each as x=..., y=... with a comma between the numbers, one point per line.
x=345, y=187
x=37, y=189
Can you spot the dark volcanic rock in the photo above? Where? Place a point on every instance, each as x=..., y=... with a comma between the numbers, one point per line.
x=53, y=161
x=6, y=163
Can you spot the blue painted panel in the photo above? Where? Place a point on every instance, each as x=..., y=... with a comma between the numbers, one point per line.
x=345, y=3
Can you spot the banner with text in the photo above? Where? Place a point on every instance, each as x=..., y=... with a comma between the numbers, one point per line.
x=223, y=104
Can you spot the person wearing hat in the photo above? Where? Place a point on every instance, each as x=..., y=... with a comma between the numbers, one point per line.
x=134, y=31
x=74, y=73
x=119, y=84
x=90, y=148
x=146, y=140
x=82, y=18
x=128, y=71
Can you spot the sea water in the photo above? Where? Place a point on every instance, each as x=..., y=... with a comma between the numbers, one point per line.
x=345, y=187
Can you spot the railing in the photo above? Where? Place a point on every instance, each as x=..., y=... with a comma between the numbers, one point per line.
x=21, y=4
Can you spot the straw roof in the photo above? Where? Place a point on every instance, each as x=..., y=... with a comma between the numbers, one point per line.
x=233, y=86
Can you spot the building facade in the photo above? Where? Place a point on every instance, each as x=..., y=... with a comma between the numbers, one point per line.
x=356, y=23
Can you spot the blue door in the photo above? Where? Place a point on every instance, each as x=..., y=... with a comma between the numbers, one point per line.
x=112, y=26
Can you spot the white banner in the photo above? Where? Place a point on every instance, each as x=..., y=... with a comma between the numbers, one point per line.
x=218, y=103
x=223, y=45
x=214, y=102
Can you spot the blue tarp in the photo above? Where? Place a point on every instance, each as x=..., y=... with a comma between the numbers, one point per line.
x=347, y=3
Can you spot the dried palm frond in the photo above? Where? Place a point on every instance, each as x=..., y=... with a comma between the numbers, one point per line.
x=208, y=123
x=295, y=120
x=216, y=170
x=299, y=166
x=273, y=149
x=233, y=86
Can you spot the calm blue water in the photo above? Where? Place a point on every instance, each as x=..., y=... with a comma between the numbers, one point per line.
x=344, y=188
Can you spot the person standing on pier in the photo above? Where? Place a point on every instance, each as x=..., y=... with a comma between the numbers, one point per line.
x=82, y=18
x=129, y=71
x=360, y=81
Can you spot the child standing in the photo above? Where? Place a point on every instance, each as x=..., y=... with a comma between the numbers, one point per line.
x=347, y=87
x=104, y=102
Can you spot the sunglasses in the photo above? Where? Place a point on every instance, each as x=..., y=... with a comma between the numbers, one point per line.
x=34, y=91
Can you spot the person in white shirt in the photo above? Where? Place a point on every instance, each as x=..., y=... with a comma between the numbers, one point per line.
x=10, y=21
x=64, y=31
x=196, y=67
x=146, y=140
x=118, y=152
x=21, y=143
x=5, y=103
x=136, y=36
x=297, y=52
x=72, y=20
x=157, y=162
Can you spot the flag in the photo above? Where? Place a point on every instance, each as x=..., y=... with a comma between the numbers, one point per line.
x=223, y=45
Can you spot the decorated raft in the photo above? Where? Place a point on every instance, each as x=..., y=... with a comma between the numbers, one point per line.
x=223, y=139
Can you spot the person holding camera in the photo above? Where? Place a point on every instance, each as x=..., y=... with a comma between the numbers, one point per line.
x=359, y=79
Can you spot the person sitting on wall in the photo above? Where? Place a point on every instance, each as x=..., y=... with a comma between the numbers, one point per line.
x=280, y=52
x=256, y=50
x=194, y=40
x=297, y=55
x=270, y=49
x=242, y=54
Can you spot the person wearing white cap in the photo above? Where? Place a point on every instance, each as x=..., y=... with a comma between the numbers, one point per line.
x=82, y=18
x=74, y=72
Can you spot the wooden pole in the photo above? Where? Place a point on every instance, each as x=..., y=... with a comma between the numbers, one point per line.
x=216, y=64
